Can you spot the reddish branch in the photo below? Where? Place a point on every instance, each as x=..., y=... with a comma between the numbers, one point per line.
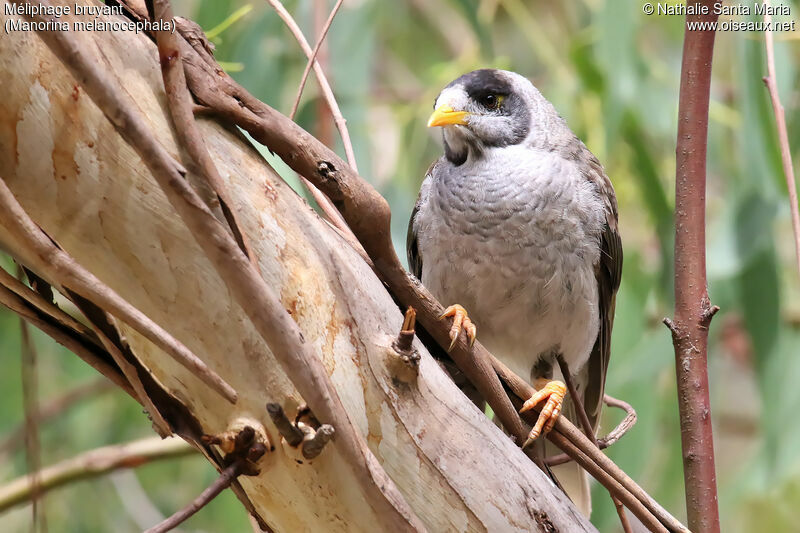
x=228, y=476
x=693, y=310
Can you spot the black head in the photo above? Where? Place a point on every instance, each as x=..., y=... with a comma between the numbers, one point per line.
x=483, y=108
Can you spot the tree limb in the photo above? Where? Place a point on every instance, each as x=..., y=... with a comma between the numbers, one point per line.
x=693, y=310
x=94, y=463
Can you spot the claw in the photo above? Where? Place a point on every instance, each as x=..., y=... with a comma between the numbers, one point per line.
x=554, y=392
x=460, y=322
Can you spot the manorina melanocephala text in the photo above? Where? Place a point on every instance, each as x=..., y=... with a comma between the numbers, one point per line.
x=517, y=223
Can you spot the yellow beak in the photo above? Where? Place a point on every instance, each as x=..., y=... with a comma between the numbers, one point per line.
x=444, y=115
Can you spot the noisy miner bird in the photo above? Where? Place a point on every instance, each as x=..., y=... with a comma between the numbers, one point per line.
x=517, y=223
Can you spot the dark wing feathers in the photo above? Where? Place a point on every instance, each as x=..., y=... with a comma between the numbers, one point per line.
x=608, y=272
x=412, y=245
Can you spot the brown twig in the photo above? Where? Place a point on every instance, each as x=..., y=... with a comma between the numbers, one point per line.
x=367, y=213
x=613, y=436
x=58, y=265
x=627, y=423
x=94, y=463
x=246, y=449
x=42, y=304
x=579, y=448
x=693, y=310
x=324, y=86
x=290, y=432
x=259, y=301
x=771, y=81
x=228, y=475
x=588, y=430
x=181, y=107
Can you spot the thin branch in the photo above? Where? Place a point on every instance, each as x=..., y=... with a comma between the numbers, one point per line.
x=313, y=58
x=579, y=448
x=259, y=301
x=60, y=266
x=92, y=464
x=324, y=86
x=613, y=436
x=161, y=426
x=30, y=402
x=42, y=304
x=324, y=203
x=290, y=432
x=627, y=423
x=588, y=430
x=315, y=441
x=228, y=475
x=693, y=310
x=771, y=81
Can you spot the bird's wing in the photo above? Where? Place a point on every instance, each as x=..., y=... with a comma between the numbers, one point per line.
x=608, y=272
x=412, y=244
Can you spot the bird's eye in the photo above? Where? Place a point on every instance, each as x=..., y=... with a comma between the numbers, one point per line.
x=491, y=101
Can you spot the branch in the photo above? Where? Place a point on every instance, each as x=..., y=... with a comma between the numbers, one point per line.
x=324, y=86
x=583, y=451
x=30, y=401
x=228, y=475
x=258, y=300
x=87, y=347
x=693, y=310
x=312, y=59
x=612, y=437
x=330, y=211
x=198, y=160
x=589, y=431
x=92, y=464
x=771, y=82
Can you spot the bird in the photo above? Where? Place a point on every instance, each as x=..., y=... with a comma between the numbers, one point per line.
x=516, y=227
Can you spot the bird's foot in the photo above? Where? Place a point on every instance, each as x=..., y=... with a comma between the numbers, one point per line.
x=554, y=392
x=460, y=322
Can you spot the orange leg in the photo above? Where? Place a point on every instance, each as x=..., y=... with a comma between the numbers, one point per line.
x=553, y=392
x=460, y=322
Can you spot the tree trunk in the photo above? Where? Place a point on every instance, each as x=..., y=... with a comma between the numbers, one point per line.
x=89, y=191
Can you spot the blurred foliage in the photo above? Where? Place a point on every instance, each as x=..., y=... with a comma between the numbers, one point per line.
x=613, y=73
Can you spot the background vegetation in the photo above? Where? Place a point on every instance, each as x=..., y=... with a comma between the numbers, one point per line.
x=613, y=73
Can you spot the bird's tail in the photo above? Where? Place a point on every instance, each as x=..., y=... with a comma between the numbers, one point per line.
x=572, y=477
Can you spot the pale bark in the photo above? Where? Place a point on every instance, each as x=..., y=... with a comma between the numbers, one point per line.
x=90, y=192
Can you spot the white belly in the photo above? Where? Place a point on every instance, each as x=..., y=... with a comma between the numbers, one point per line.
x=518, y=254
